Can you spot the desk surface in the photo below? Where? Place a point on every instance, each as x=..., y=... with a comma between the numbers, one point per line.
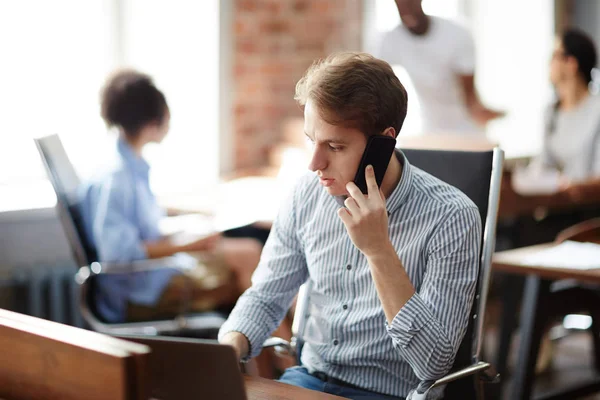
x=512, y=261
x=514, y=204
x=265, y=389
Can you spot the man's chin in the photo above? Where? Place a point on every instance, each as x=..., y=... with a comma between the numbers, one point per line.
x=336, y=191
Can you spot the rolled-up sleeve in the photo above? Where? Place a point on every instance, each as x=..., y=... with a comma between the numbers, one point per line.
x=280, y=273
x=116, y=235
x=428, y=329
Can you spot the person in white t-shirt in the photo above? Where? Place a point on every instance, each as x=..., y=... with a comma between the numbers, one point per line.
x=438, y=55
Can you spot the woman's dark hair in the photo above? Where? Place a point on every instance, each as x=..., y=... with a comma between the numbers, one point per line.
x=130, y=101
x=579, y=45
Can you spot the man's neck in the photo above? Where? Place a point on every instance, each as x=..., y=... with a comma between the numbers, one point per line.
x=571, y=94
x=392, y=176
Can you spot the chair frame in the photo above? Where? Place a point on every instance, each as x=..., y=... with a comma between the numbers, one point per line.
x=182, y=324
x=477, y=367
x=584, y=231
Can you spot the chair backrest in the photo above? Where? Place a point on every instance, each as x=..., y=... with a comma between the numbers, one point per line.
x=477, y=174
x=65, y=182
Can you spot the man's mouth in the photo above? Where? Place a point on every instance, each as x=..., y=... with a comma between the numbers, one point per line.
x=327, y=182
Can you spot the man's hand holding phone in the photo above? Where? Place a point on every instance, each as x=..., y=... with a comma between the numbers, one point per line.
x=365, y=217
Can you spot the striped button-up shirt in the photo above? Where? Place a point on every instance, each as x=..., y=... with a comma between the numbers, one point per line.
x=436, y=231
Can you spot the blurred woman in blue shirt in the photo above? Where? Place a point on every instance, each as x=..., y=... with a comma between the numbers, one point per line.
x=121, y=217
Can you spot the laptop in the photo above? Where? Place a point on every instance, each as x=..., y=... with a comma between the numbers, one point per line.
x=185, y=368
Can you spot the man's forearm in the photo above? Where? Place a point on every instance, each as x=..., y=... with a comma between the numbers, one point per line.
x=391, y=281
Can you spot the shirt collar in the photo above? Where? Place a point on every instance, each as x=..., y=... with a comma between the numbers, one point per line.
x=402, y=190
x=137, y=163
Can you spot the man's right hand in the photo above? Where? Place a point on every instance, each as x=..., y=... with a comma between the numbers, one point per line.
x=239, y=343
x=483, y=115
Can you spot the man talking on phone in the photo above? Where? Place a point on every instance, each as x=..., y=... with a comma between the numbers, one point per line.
x=393, y=270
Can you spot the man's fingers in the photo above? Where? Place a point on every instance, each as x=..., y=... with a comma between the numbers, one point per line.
x=356, y=194
x=372, y=187
x=345, y=216
x=352, y=206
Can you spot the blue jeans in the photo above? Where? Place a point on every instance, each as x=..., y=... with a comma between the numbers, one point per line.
x=299, y=376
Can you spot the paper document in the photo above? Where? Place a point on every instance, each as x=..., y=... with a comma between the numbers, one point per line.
x=567, y=255
x=198, y=224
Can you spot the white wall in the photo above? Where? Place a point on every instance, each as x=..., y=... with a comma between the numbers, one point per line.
x=586, y=15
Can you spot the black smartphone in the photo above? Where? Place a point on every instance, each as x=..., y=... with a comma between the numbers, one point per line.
x=378, y=153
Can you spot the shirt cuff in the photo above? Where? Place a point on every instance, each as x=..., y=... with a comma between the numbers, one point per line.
x=248, y=328
x=409, y=321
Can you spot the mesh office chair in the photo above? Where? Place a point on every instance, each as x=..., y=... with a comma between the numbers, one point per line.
x=65, y=181
x=477, y=174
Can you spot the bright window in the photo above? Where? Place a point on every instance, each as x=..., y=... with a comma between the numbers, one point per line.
x=177, y=42
x=56, y=56
x=513, y=68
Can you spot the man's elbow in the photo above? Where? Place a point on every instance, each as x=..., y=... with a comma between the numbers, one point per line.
x=435, y=364
x=438, y=366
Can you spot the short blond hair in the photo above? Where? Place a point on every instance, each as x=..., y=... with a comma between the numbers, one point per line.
x=355, y=90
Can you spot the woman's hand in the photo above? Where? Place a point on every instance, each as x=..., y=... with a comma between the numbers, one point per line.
x=207, y=243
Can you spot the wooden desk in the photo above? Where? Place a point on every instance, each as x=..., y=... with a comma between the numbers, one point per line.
x=513, y=204
x=265, y=389
x=540, y=304
x=42, y=359
x=511, y=261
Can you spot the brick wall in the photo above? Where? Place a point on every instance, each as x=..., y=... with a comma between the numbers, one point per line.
x=275, y=41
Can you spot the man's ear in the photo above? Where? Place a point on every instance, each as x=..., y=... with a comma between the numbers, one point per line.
x=391, y=132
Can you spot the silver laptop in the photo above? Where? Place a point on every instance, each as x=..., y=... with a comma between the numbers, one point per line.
x=182, y=368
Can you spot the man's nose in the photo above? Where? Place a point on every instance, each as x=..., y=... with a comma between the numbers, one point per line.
x=317, y=161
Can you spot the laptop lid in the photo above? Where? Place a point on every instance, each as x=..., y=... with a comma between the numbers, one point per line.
x=185, y=368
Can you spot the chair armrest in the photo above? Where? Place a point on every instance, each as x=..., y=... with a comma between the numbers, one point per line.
x=195, y=323
x=136, y=266
x=281, y=346
x=468, y=371
x=97, y=268
x=85, y=273
x=463, y=373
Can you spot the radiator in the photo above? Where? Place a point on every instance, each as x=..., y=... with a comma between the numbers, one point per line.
x=48, y=292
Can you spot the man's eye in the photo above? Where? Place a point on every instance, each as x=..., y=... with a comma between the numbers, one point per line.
x=335, y=148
